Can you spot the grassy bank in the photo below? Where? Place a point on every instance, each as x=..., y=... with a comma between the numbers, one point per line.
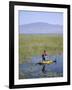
x=33, y=45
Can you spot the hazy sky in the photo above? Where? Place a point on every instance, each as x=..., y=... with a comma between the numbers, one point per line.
x=27, y=17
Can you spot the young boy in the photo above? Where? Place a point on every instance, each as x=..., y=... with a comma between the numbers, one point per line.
x=43, y=55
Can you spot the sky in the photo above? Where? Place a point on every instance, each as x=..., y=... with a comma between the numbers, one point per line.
x=27, y=17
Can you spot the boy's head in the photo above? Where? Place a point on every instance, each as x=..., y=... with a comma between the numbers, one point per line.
x=44, y=50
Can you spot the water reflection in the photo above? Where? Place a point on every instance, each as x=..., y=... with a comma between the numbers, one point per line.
x=34, y=70
x=43, y=69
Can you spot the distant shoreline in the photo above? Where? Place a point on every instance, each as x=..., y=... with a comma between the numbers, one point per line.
x=50, y=34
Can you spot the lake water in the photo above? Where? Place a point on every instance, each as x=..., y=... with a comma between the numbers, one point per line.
x=33, y=70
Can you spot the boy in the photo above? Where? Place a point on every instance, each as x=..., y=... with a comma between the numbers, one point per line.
x=43, y=55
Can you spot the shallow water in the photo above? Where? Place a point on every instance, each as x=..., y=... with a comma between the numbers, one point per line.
x=33, y=70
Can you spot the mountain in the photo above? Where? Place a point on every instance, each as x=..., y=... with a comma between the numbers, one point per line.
x=40, y=28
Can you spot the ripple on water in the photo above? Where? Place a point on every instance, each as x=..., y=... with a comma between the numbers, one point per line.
x=33, y=70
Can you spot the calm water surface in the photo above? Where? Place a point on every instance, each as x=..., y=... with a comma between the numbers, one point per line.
x=33, y=70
